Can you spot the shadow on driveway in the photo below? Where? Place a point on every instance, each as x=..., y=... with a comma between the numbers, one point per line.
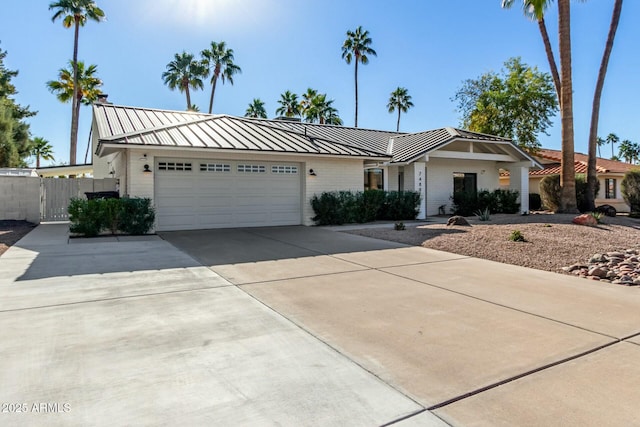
x=246, y=245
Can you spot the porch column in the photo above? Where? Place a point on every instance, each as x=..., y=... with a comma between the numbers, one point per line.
x=519, y=180
x=419, y=185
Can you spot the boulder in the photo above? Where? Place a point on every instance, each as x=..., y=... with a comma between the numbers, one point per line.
x=585, y=219
x=607, y=210
x=599, y=272
x=597, y=258
x=458, y=220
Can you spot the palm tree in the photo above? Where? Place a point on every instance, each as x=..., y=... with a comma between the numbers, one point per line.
x=307, y=97
x=399, y=100
x=592, y=177
x=256, y=109
x=219, y=63
x=86, y=91
x=41, y=149
x=534, y=10
x=612, y=139
x=184, y=72
x=356, y=48
x=568, y=203
x=627, y=151
x=75, y=13
x=289, y=106
x=600, y=141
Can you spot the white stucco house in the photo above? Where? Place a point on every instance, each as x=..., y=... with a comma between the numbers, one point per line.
x=217, y=171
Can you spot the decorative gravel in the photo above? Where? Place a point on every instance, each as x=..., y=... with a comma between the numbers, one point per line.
x=12, y=231
x=553, y=242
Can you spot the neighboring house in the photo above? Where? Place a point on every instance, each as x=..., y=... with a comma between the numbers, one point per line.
x=84, y=170
x=215, y=171
x=18, y=172
x=610, y=174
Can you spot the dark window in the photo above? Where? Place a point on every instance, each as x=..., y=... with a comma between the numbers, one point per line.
x=401, y=180
x=467, y=182
x=373, y=179
x=610, y=188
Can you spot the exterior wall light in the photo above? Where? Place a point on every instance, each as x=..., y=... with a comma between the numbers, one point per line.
x=146, y=169
x=312, y=172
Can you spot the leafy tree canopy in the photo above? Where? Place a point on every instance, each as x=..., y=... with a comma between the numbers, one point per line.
x=15, y=145
x=517, y=103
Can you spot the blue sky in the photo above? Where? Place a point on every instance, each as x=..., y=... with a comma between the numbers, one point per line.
x=427, y=46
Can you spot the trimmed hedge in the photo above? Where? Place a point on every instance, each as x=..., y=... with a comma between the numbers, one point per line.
x=630, y=187
x=550, y=192
x=496, y=201
x=345, y=207
x=127, y=215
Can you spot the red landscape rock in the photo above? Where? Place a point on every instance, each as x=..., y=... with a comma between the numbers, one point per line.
x=585, y=219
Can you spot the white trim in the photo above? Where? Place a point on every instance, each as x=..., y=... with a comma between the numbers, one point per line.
x=465, y=155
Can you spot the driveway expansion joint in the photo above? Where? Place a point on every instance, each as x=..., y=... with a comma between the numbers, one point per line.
x=505, y=306
x=64, y=304
x=522, y=375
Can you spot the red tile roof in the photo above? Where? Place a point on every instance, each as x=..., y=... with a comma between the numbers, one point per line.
x=551, y=159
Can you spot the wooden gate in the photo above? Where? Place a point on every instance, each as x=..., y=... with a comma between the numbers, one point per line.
x=56, y=193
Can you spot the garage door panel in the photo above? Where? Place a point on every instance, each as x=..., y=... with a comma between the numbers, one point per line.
x=203, y=198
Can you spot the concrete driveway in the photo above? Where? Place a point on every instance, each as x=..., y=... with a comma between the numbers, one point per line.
x=304, y=326
x=474, y=342
x=136, y=332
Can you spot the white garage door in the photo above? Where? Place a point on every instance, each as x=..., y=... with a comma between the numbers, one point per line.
x=195, y=194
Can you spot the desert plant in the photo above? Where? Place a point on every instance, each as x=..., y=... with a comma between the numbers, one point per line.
x=483, y=215
x=630, y=187
x=517, y=236
x=535, y=202
x=399, y=226
x=597, y=216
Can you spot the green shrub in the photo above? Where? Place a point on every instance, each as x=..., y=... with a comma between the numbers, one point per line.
x=630, y=187
x=535, y=202
x=110, y=211
x=343, y=207
x=400, y=205
x=496, y=201
x=128, y=215
x=517, y=236
x=464, y=203
x=550, y=192
x=581, y=192
x=507, y=201
x=399, y=226
x=370, y=204
x=85, y=217
x=487, y=200
x=137, y=215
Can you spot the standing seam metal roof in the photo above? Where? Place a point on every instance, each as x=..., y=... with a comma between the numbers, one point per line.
x=144, y=126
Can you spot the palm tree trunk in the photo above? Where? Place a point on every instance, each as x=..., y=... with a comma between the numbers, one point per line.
x=37, y=160
x=356, y=77
x=398, y=123
x=73, y=144
x=550, y=57
x=186, y=90
x=592, y=178
x=567, y=179
x=213, y=91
